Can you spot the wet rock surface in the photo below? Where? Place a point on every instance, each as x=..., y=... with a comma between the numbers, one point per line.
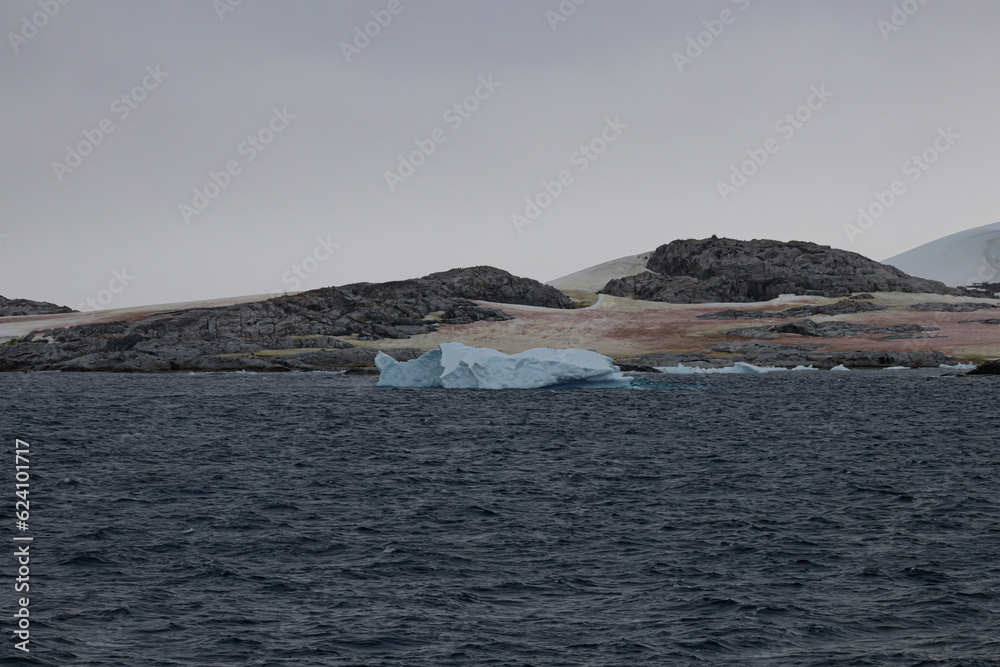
x=989, y=368
x=767, y=353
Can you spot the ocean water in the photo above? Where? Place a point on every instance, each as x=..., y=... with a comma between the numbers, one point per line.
x=314, y=519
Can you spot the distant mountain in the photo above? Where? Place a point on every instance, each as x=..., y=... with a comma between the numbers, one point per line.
x=965, y=258
x=732, y=271
x=14, y=307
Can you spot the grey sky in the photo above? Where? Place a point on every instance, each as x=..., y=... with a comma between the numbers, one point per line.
x=891, y=96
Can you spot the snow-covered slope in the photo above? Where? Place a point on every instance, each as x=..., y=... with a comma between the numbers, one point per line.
x=596, y=277
x=965, y=258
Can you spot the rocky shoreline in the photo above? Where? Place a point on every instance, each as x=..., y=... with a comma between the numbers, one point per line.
x=769, y=354
x=298, y=332
x=344, y=327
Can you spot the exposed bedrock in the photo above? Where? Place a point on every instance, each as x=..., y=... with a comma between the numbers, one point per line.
x=845, y=307
x=960, y=307
x=192, y=339
x=832, y=330
x=480, y=283
x=767, y=353
x=15, y=307
x=732, y=271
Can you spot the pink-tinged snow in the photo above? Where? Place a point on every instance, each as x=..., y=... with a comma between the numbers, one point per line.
x=622, y=328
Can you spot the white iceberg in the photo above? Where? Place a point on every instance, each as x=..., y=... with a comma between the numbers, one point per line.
x=458, y=366
x=958, y=367
x=740, y=368
x=841, y=368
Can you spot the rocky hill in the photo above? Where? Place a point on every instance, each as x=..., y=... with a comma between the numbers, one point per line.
x=732, y=271
x=481, y=283
x=316, y=320
x=15, y=307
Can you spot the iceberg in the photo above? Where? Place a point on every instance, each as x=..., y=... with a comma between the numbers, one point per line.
x=841, y=368
x=958, y=367
x=740, y=368
x=458, y=366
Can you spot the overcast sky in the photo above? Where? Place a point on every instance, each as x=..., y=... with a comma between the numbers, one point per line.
x=311, y=117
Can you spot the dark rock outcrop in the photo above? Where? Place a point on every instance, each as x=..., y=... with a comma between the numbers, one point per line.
x=845, y=307
x=195, y=339
x=732, y=271
x=989, y=368
x=960, y=307
x=627, y=367
x=984, y=290
x=766, y=353
x=480, y=283
x=834, y=329
x=15, y=307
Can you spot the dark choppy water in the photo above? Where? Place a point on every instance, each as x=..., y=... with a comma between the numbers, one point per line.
x=205, y=520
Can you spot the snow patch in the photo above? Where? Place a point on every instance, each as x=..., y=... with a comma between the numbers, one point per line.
x=594, y=278
x=965, y=258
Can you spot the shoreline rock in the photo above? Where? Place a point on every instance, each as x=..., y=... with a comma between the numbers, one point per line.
x=766, y=353
x=989, y=368
x=229, y=337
